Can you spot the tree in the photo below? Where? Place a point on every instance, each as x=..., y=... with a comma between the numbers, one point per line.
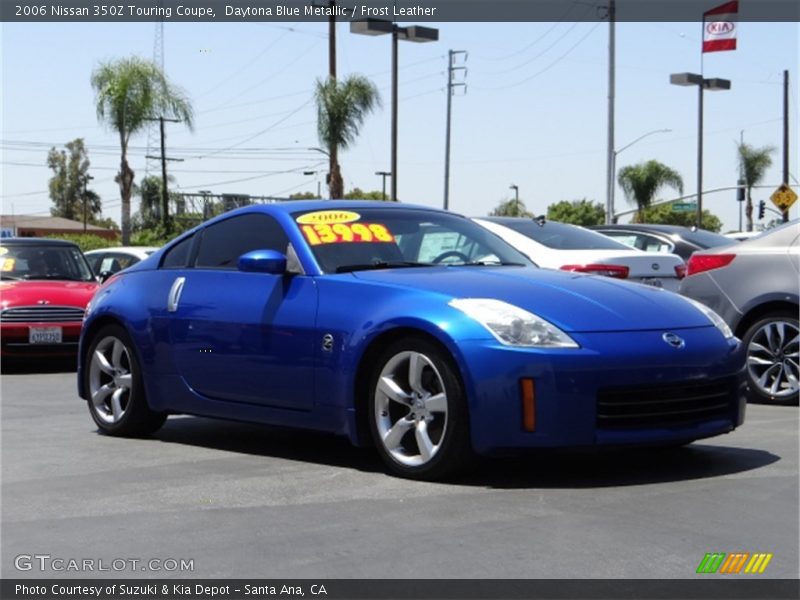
x=359, y=194
x=511, y=208
x=129, y=93
x=303, y=196
x=149, y=214
x=578, y=212
x=643, y=181
x=342, y=107
x=663, y=214
x=68, y=189
x=753, y=164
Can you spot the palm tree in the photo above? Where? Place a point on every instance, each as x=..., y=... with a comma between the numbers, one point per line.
x=129, y=93
x=342, y=107
x=753, y=165
x=641, y=182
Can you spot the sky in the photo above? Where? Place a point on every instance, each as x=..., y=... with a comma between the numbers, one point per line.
x=534, y=113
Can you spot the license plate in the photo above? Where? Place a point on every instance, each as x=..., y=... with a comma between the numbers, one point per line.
x=654, y=281
x=44, y=335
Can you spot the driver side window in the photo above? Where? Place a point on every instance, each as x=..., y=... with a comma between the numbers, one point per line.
x=225, y=241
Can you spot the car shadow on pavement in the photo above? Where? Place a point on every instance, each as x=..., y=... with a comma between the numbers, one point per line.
x=578, y=469
x=269, y=441
x=539, y=469
x=27, y=366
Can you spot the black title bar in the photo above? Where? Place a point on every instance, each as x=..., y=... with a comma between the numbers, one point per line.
x=67, y=11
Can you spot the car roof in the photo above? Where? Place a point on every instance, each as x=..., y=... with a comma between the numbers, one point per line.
x=646, y=227
x=137, y=249
x=300, y=205
x=26, y=241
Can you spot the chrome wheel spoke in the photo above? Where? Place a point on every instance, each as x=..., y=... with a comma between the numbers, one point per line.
x=102, y=363
x=117, y=352
x=416, y=364
x=116, y=404
x=124, y=381
x=756, y=360
x=99, y=397
x=394, y=436
x=436, y=403
x=424, y=443
x=389, y=387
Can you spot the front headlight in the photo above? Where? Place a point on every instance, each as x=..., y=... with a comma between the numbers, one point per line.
x=512, y=325
x=713, y=316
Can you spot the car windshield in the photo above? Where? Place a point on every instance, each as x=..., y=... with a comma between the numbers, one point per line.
x=561, y=236
x=378, y=238
x=44, y=261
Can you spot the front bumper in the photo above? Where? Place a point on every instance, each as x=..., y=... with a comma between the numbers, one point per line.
x=14, y=340
x=580, y=392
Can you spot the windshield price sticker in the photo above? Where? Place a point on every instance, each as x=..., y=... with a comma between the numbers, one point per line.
x=8, y=264
x=338, y=233
x=328, y=217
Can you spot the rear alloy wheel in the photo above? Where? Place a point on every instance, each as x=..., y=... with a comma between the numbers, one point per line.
x=772, y=358
x=418, y=413
x=113, y=380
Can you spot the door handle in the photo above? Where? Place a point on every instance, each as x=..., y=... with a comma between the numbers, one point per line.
x=175, y=294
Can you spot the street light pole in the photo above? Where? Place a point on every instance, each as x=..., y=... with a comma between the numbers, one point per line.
x=516, y=197
x=384, y=175
x=613, y=169
x=414, y=33
x=713, y=84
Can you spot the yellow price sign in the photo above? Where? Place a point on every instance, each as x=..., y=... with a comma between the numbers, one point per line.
x=339, y=233
x=783, y=197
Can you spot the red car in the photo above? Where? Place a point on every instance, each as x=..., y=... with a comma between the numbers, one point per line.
x=45, y=287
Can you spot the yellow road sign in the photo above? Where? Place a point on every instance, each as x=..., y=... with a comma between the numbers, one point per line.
x=783, y=197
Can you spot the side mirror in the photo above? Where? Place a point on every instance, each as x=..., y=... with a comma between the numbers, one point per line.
x=104, y=275
x=263, y=261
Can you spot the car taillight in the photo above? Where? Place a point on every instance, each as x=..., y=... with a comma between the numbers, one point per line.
x=680, y=271
x=706, y=262
x=618, y=271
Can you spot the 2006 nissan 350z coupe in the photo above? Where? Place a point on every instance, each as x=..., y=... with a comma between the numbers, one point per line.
x=405, y=327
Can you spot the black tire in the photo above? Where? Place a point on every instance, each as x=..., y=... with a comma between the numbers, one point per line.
x=769, y=383
x=117, y=400
x=450, y=450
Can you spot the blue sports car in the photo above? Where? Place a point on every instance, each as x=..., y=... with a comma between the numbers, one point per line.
x=409, y=328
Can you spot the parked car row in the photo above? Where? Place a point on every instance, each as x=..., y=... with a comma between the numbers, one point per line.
x=427, y=334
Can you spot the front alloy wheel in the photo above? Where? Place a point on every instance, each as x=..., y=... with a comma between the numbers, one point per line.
x=772, y=358
x=418, y=413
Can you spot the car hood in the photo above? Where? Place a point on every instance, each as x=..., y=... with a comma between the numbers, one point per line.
x=571, y=301
x=54, y=293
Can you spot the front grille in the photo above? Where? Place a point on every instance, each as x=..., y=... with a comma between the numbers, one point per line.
x=669, y=405
x=42, y=314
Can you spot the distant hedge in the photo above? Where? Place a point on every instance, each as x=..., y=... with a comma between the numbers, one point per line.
x=85, y=241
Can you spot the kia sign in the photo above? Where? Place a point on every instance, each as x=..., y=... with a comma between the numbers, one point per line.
x=719, y=27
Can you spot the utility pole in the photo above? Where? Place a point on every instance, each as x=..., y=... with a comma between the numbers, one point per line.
x=333, y=154
x=785, y=136
x=163, y=158
x=612, y=16
x=85, y=199
x=451, y=85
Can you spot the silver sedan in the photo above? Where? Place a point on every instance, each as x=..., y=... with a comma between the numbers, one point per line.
x=753, y=285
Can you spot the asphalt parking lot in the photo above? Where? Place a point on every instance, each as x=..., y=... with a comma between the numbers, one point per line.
x=247, y=501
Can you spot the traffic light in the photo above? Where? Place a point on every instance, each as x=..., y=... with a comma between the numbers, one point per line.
x=740, y=190
x=762, y=206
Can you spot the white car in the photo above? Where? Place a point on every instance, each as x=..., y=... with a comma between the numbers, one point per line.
x=107, y=261
x=571, y=248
